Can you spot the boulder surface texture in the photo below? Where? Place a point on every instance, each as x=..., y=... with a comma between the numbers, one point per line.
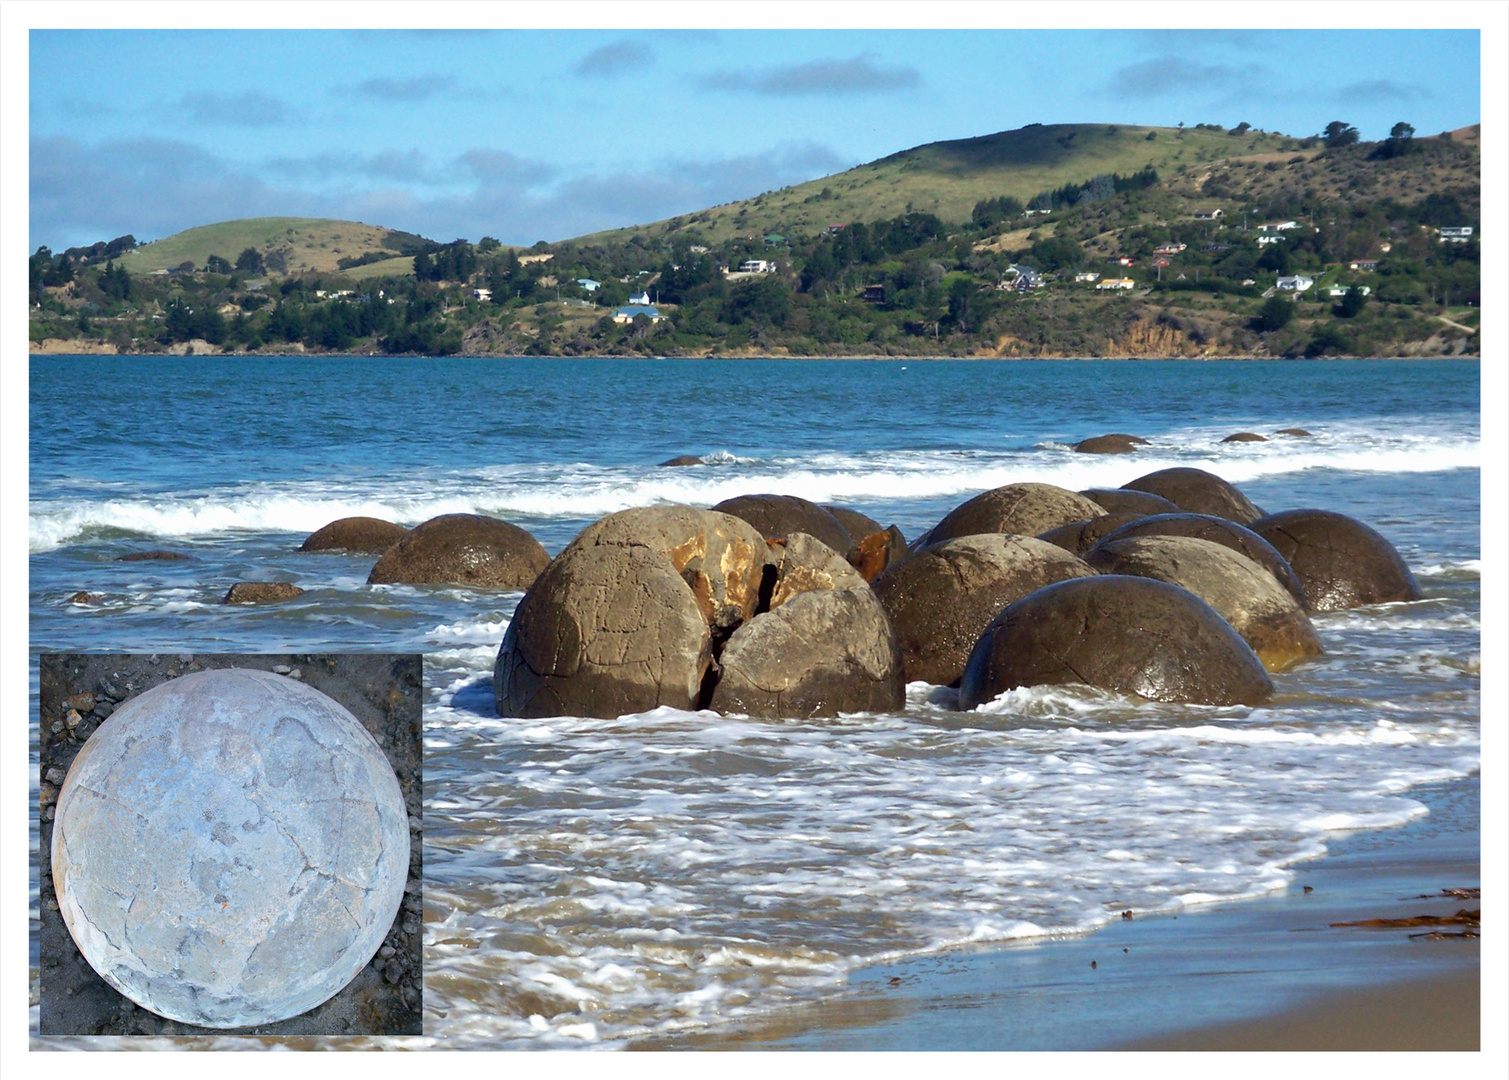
x=1341, y=562
x=1217, y=530
x=230, y=848
x=462, y=549
x=358, y=535
x=1023, y=509
x=1078, y=537
x=1126, y=501
x=776, y=516
x=1242, y=592
x=1131, y=635
x=941, y=599
x=1198, y=492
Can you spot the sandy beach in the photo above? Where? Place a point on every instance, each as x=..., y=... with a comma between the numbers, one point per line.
x=1270, y=974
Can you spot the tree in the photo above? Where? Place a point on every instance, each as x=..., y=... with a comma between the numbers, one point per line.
x=1398, y=142
x=250, y=262
x=1241, y=129
x=1401, y=131
x=216, y=265
x=1352, y=303
x=1339, y=134
x=1275, y=313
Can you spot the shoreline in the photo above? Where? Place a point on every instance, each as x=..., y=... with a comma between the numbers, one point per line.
x=1270, y=973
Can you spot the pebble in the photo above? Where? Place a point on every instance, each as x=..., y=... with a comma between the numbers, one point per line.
x=153, y=659
x=50, y=813
x=109, y=690
x=410, y=926
x=414, y=824
x=52, y=905
x=104, y=709
x=81, y=702
x=413, y=903
x=57, y=726
x=185, y=658
x=295, y=674
x=73, y=718
x=281, y=669
x=54, y=775
x=386, y=951
x=393, y=971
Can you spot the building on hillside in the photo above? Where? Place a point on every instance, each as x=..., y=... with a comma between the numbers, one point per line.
x=1022, y=278
x=1169, y=249
x=1367, y=266
x=757, y=266
x=1263, y=240
x=588, y=284
x=629, y=312
x=1296, y=283
x=1122, y=260
x=1160, y=263
x=836, y=226
x=1111, y=284
x=1456, y=234
x=1278, y=226
x=1208, y=215
x=482, y=294
x=1342, y=290
x=641, y=298
x=774, y=240
x=698, y=249
x=873, y=294
x=1087, y=275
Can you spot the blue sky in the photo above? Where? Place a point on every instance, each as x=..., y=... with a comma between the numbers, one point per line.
x=530, y=134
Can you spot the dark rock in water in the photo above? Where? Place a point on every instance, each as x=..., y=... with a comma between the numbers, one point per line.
x=874, y=553
x=940, y=600
x=824, y=647
x=1124, y=501
x=605, y=630
x=142, y=556
x=1341, y=562
x=1245, y=436
x=261, y=592
x=723, y=559
x=857, y=525
x=1198, y=492
x=359, y=535
x=462, y=549
x=682, y=460
x=1243, y=593
x=1078, y=537
x=1126, y=634
x=1297, y=432
x=82, y=597
x=1223, y=531
x=1109, y=444
x=781, y=515
x=1022, y=509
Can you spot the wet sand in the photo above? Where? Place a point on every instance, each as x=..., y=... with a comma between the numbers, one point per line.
x=1271, y=973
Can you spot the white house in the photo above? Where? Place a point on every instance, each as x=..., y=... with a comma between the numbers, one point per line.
x=1296, y=284
x=1169, y=249
x=1278, y=226
x=1111, y=284
x=1268, y=240
x=1087, y=275
x=640, y=299
x=1207, y=215
x=757, y=266
x=1366, y=265
x=1342, y=290
x=1459, y=234
x=588, y=284
x=629, y=312
x=482, y=294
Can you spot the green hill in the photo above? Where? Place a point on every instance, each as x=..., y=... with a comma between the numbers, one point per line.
x=295, y=244
x=948, y=178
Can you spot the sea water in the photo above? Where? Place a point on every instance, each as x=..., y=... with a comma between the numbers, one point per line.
x=590, y=882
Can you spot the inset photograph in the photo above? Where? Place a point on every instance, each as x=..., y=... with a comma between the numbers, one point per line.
x=231, y=844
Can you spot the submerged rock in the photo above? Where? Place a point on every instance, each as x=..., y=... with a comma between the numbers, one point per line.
x=358, y=535
x=1245, y=436
x=261, y=592
x=462, y=549
x=1114, y=443
x=681, y=461
x=144, y=556
x=1341, y=562
x=1131, y=635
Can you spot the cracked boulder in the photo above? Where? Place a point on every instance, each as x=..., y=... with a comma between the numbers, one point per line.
x=823, y=647
x=462, y=549
x=1243, y=593
x=1021, y=509
x=1218, y=530
x=1129, y=635
x=1341, y=562
x=606, y=630
x=357, y=535
x=776, y=516
x=1198, y=492
x=1078, y=537
x=941, y=599
x=230, y=848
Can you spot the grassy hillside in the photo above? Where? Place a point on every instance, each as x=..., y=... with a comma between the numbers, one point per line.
x=948, y=178
x=307, y=243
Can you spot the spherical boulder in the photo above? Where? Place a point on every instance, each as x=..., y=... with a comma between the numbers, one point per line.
x=1126, y=634
x=1124, y=501
x=230, y=848
x=462, y=549
x=1114, y=443
x=606, y=629
x=824, y=647
x=1243, y=593
x=1341, y=562
x=1198, y=492
x=1218, y=530
x=1078, y=537
x=940, y=600
x=1245, y=436
x=262, y=592
x=1023, y=509
x=781, y=515
x=722, y=558
x=358, y=535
